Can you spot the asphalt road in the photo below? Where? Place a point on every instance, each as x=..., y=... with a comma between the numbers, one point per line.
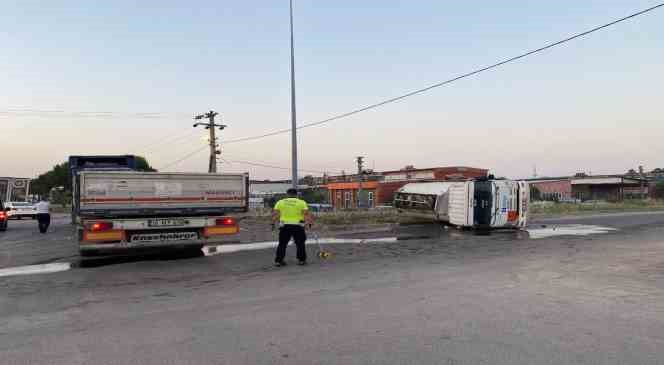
x=440, y=297
x=22, y=244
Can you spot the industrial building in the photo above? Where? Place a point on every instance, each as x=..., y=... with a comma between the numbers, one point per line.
x=378, y=188
x=609, y=188
x=583, y=188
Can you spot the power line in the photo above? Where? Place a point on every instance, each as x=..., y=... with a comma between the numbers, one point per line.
x=183, y=158
x=242, y=162
x=449, y=81
x=260, y=164
x=90, y=114
x=166, y=140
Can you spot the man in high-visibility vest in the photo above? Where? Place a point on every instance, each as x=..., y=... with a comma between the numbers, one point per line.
x=292, y=214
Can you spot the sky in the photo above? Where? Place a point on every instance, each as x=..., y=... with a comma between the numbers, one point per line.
x=90, y=78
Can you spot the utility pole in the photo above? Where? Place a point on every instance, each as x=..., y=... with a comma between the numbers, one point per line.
x=360, y=172
x=642, y=178
x=293, y=112
x=211, y=125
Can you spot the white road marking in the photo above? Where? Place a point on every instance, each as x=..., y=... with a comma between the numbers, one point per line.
x=35, y=269
x=568, y=230
x=216, y=250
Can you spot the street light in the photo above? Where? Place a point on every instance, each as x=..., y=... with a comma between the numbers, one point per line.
x=293, y=111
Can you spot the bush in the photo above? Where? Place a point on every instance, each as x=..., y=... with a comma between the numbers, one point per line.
x=659, y=190
x=554, y=209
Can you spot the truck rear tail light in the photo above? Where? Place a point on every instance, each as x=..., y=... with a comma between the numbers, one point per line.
x=220, y=231
x=223, y=226
x=105, y=236
x=3, y=215
x=100, y=226
x=225, y=221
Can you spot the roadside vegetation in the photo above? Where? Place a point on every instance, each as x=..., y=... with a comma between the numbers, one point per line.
x=350, y=217
x=391, y=216
x=546, y=209
x=537, y=209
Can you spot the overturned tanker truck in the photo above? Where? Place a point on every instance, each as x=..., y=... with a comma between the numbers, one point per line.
x=481, y=204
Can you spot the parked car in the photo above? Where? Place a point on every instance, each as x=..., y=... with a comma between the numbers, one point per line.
x=3, y=217
x=18, y=210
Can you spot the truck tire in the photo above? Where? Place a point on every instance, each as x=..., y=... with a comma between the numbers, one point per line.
x=194, y=251
x=483, y=231
x=87, y=253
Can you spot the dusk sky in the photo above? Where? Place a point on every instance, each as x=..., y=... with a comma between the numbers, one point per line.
x=84, y=77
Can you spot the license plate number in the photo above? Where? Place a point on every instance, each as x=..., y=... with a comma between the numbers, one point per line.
x=163, y=237
x=166, y=222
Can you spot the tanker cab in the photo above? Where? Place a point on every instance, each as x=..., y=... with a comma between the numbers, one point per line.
x=523, y=204
x=483, y=204
x=496, y=204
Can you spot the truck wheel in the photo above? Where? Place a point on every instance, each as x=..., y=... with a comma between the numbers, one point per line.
x=194, y=251
x=482, y=232
x=87, y=253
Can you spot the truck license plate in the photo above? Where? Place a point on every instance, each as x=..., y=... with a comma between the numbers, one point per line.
x=169, y=222
x=163, y=237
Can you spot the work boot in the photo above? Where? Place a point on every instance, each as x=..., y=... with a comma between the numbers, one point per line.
x=279, y=264
x=302, y=263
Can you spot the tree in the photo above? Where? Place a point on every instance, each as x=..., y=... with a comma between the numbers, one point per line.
x=58, y=176
x=143, y=165
x=535, y=193
x=315, y=196
x=308, y=180
x=659, y=190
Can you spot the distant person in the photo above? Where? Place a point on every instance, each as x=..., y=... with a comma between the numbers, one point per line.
x=43, y=215
x=292, y=214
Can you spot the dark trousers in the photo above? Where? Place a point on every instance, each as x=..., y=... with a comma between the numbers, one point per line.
x=299, y=236
x=44, y=220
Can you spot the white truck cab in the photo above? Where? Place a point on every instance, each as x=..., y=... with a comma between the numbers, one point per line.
x=480, y=204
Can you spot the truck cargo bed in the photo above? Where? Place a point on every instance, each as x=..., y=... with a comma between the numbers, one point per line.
x=150, y=194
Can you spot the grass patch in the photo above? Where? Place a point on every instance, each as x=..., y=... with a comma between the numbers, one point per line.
x=558, y=209
x=353, y=217
x=56, y=208
x=379, y=216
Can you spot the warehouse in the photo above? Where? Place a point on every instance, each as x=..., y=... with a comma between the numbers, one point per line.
x=381, y=186
x=609, y=188
x=551, y=188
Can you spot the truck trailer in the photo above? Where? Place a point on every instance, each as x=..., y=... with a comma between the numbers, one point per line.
x=480, y=204
x=118, y=210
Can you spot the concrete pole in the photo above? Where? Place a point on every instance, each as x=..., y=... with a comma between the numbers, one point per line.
x=213, y=145
x=360, y=163
x=293, y=109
